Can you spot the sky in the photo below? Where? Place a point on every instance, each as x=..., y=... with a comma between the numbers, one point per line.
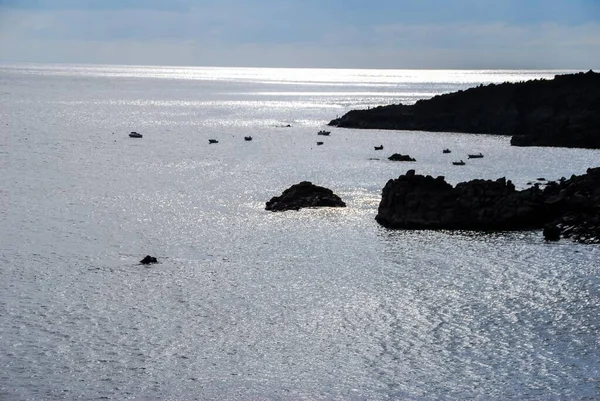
x=438, y=34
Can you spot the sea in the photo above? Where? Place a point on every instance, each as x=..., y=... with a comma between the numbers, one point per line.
x=247, y=304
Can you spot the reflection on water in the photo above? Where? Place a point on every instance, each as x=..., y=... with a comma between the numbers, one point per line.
x=319, y=303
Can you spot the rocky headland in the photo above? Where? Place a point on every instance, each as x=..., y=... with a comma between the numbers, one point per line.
x=568, y=208
x=563, y=112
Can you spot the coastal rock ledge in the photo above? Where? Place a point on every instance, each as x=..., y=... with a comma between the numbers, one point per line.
x=569, y=208
x=304, y=194
x=563, y=112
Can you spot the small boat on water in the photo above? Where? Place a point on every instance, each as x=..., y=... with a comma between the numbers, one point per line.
x=319, y=143
x=446, y=151
x=477, y=156
x=247, y=138
x=380, y=147
x=134, y=134
x=459, y=163
x=213, y=141
x=326, y=133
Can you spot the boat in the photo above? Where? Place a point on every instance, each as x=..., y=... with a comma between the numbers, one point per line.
x=326, y=133
x=247, y=138
x=134, y=134
x=446, y=151
x=380, y=147
x=477, y=156
x=460, y=163
x=213, y=141
x=319, y=143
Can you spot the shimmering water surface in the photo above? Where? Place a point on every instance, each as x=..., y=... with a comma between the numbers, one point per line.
x=248, y=304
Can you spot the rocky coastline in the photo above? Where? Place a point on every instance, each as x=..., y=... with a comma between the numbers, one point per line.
x=562, y=112
x=568, y=208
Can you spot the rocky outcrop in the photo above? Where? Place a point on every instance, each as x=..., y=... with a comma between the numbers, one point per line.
x=397, y=157
x=577, y=201
x=564, y=111
x=304, y=194
x=568, y=208
x=148, y=260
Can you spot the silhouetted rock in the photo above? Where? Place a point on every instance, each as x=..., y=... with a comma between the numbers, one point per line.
x=551, y=232
x=148, y=260
x=397, y=157
x=304, y=194
x=564, y=111
x=422, y=202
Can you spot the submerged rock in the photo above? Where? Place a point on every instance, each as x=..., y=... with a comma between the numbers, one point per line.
x=148, y=260
x=569, y=208
x=304, y=194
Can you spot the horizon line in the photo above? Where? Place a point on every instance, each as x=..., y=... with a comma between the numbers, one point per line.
x=6, y=62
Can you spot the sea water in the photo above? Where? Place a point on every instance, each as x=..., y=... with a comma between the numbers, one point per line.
x=249, y=304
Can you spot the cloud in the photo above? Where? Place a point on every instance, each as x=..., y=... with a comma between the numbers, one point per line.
x=278, y=36
x=497, y=35
x=210, y=21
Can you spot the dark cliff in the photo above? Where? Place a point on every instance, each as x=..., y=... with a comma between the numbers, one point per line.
x=564, y=111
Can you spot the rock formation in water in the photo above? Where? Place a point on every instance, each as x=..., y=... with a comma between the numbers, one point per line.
x=568, y=208
x=564, y=111
x=401, y=158
x=304, y=194
x=148, y=260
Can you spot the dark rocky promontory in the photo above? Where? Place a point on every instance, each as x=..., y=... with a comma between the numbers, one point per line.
x=564, y=111
x=567, y=208
x=304, y=194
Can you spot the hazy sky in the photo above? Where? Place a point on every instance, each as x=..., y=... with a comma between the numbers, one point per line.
x=305, y=33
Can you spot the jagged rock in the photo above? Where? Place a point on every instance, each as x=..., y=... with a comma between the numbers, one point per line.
x=570, y=207
x=304, y=194
x=401, y=158
x=564, y=111
x=148, y=260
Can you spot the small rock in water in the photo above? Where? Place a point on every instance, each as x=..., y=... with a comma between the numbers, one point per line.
x=148, y=260
x=401, y=158
x=551, y=232
x=304, y=194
